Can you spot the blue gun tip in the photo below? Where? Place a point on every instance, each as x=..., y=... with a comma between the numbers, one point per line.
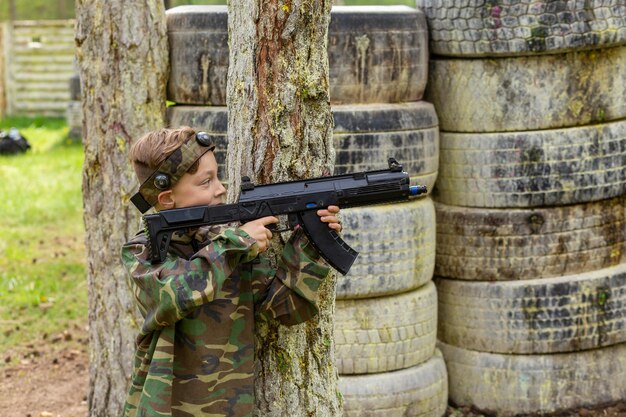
x=417, y=190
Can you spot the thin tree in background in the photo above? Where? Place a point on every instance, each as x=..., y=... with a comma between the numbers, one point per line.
x=123, y=62
x=64, y=12
x=280, y=128
x=12, y=12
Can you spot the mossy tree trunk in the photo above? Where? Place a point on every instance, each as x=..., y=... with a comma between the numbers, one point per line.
x=123, y=62
x=280, y=128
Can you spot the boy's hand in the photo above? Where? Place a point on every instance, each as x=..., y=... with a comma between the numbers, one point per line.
x=256, y=229
x=329, y=215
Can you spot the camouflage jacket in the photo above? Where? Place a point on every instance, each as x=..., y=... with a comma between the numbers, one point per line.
x=195, y=350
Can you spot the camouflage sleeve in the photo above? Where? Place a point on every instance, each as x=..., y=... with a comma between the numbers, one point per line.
x=291, y=296
x=168, y=291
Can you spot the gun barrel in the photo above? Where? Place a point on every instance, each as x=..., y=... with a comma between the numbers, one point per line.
x=417, y=190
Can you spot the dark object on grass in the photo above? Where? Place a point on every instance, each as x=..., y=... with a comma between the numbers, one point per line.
x=13, y=142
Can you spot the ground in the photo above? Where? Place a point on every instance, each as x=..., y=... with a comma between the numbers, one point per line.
x=610, y=410
x=52, y=380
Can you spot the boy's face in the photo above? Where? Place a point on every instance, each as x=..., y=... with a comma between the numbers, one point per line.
x=201, y=188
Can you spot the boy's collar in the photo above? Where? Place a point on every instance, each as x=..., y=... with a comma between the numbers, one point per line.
x=201, y=234
x=171, y=170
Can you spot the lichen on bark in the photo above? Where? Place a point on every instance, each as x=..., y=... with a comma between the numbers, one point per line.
x=280, y=128
x=123, y=64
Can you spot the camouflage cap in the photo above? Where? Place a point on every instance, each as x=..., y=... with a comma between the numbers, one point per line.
x=171, y=170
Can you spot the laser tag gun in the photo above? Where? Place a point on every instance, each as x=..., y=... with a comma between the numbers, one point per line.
x=299, y=200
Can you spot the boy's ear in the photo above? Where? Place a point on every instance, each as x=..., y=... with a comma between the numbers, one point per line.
x=166, y=199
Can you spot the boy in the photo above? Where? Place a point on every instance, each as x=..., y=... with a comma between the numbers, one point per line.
x=195, y=350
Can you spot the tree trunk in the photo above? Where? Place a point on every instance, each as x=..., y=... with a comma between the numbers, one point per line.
x=280, y=128
x=123, y=64
x=61, y=7
x=12, y=12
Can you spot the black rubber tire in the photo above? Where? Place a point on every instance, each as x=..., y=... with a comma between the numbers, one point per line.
x=198, y=39
x=529, y=93
x=384, y=334
x=420, y=391
x=475, y=28
x=504, y=244
x=551, y=315
x=366, y=136
x=396, y=245
x=377, y=54
x=508, y=385
x=533, y=169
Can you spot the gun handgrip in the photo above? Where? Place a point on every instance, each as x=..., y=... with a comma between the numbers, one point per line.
x=327, y=242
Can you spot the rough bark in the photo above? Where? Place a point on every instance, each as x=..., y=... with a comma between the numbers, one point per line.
x=123, y=62
x=280, y=128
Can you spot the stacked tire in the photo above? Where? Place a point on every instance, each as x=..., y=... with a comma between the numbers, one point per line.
x=386, y=317
x=198, y=46
x=530, y=201
x=386, y=308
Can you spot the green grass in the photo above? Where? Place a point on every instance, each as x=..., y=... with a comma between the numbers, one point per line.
x=43, y=287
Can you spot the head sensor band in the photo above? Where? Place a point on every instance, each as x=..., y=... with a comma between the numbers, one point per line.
x=171, y=170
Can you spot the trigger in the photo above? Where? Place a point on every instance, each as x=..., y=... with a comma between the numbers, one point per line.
x=273, y=227
x=294, y=220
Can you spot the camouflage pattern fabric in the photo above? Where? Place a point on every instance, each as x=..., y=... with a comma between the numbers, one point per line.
x=195, y=350
x=174, y=166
